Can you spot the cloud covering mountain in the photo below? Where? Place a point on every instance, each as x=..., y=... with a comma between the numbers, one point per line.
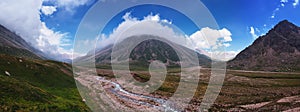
x=205, y=38
x=24, y=18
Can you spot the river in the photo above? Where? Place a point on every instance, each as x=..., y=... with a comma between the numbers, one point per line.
x=117, y=90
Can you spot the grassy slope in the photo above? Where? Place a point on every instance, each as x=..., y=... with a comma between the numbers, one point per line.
x=36, y=85
x=18, y=52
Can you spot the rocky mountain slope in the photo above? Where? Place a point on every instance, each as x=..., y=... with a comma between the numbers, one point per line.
x=278, y=50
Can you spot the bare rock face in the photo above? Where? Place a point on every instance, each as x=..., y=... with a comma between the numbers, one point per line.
x=278, y=50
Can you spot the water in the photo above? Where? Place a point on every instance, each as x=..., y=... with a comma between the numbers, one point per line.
x=162, y=103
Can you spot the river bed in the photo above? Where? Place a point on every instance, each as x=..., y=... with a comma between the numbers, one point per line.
x=149, y=101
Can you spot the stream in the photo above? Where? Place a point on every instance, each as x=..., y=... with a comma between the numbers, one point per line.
x=123, y=94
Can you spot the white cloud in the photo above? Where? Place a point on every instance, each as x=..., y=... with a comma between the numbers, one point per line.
x=274, y=12
x=224, y=56
x=149, y=25
x=23, y=17
x=48, y=10
x=282, y=5
x=206, y=38
x=231, y=54
x=273, y=16
x=252, y=32
x=226, y=44
x=296, y=2
x=283, y=2
x=50, y=36
x=69, y=5
x=51, y=42
x=226, y=34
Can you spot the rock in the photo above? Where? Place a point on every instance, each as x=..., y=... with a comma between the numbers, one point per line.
x=7, y=73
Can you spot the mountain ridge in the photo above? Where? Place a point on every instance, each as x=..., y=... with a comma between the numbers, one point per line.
x=278, y=50
x=13, y=44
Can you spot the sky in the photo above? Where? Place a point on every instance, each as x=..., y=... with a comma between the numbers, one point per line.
x=51, y=25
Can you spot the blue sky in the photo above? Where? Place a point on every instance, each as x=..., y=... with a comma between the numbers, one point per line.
x=245, y=19
x=236, y=15
x=239, y=15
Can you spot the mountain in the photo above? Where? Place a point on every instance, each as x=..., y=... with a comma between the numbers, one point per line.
x=278, y=50
x=12, y=44
x=145, y=52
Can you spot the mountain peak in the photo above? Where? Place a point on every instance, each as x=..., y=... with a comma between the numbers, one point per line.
x=285, y=26
x=278, y=50
x=284, y=22
x=151, y=48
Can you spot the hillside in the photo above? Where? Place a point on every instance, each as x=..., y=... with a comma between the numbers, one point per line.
x=12, y=44
x=29, y=83
x=36, y=85
x=278, y=50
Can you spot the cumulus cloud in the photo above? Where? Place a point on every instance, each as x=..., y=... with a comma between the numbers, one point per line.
x=23, y=17
x=52, y=43
x=252, y=32
x=48, y=10
x=151, y=24
x=206, y=38
x=210, y=38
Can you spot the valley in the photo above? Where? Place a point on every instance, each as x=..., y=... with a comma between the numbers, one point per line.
x=265, y=76
x=242, y=91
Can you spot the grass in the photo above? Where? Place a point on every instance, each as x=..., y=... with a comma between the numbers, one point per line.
x=137, y=67
x=269, y=76
x=36, y=85
x=18, y=52
x=239, y=88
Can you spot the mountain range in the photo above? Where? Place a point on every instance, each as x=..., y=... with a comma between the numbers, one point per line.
x=278, y=50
